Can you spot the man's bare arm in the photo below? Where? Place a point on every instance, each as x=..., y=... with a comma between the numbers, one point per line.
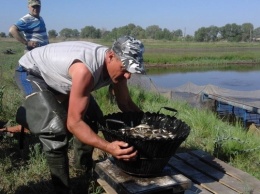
x=123, y=98
x=16, y=34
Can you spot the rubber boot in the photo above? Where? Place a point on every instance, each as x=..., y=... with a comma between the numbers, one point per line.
x=82, y=155
x=59, y=168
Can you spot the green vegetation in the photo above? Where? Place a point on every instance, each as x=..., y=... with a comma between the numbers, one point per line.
x=26, y=171
x=200, y=54
x=246, y=32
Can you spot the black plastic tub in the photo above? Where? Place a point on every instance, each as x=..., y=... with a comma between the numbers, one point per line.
x=153, y=154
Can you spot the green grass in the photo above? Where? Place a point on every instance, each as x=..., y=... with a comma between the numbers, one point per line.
x=26, y=171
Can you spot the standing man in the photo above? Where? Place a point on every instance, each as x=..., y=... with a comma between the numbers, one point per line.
x=34, y=35
x=32, y=26
x=57, y=80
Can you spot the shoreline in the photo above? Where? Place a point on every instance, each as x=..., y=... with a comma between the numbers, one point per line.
x=185, y=65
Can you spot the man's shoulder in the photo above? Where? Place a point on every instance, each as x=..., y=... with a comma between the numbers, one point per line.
x=29, y=17
x=82, y=44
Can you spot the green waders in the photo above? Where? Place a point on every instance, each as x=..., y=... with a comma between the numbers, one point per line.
x=44, y=116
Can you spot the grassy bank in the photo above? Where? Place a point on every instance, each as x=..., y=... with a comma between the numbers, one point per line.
x=26, y=171
x=203, y=54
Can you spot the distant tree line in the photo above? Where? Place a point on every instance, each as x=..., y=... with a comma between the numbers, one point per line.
x=151, y=32
x=229, y=32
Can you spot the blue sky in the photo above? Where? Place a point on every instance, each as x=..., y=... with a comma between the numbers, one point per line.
x=187, y=15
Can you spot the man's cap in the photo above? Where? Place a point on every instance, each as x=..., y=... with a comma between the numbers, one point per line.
x=34, y=2
x=130, y=51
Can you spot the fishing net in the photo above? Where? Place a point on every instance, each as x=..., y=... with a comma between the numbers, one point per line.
x=246, y=104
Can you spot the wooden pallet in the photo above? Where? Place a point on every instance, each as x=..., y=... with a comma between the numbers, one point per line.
x=211, y=175
x=207, y=173
x=113, y=180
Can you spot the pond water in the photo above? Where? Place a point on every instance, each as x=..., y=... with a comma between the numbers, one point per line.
x=234, y=80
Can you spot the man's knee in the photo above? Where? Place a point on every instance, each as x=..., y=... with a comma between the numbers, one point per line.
x=44, y=116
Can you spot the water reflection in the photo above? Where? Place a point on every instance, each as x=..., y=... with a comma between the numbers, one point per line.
x=234, y=80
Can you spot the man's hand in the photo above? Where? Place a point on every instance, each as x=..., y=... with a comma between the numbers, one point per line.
x=122, y=151
x=32, y=44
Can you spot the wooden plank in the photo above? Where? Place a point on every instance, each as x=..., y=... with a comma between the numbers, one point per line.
x=251, y=184
x=213, y=172
x=198, y=177
x=126, y=184
x=209, y=175
x=108, y=189
x=197, y=189
x=102, y=169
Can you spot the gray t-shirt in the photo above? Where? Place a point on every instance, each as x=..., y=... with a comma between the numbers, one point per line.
x=52, y=62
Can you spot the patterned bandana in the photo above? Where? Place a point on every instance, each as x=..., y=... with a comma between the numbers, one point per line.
x=34, y=2
x=130, y=51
